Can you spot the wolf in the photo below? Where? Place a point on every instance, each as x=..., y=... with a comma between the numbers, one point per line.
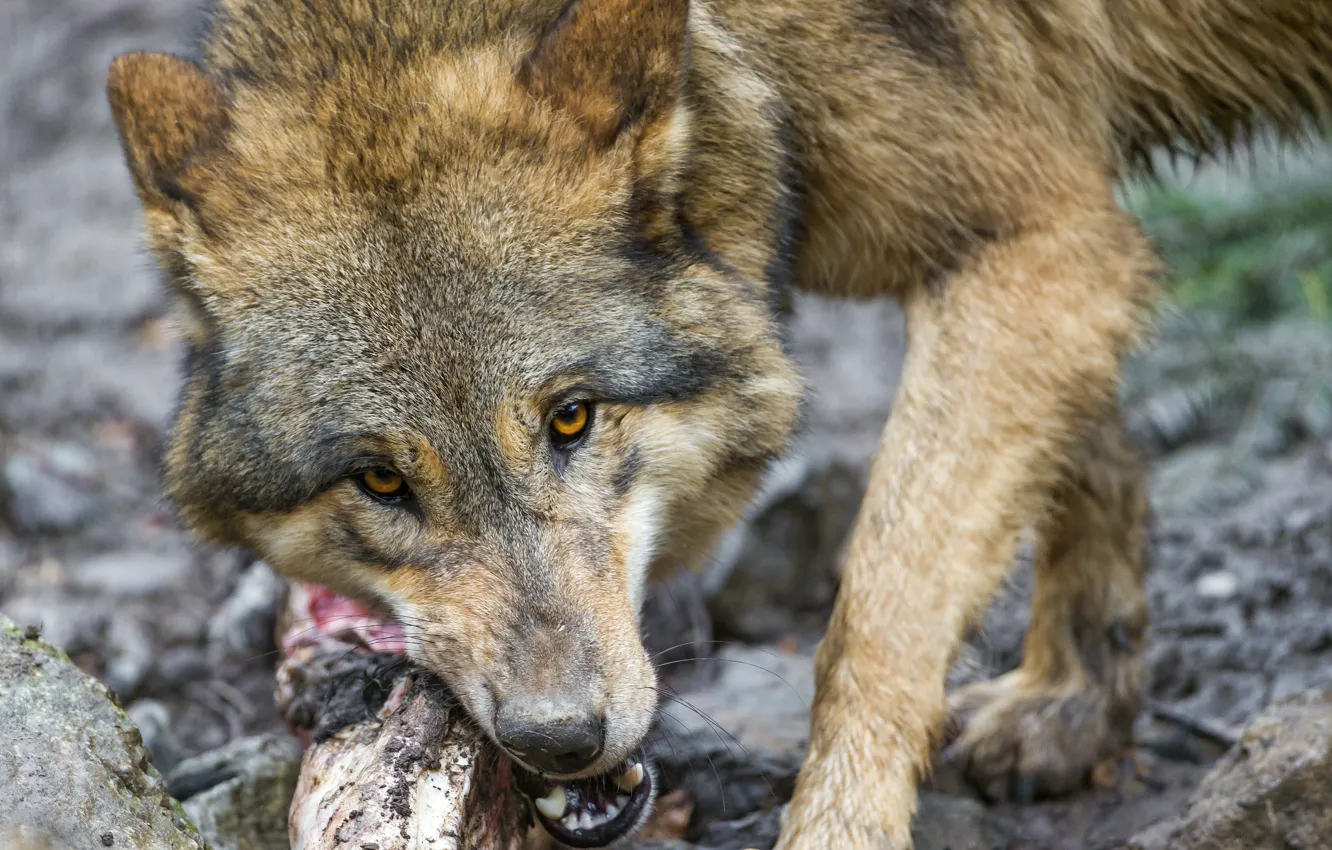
x=483, y=309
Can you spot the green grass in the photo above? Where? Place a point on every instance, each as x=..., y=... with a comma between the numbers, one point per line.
x=1263, y=257
x=1242, y=354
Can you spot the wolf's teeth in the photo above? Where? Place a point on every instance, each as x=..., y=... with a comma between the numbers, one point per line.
x=630, y=779
x=552, y=805
x=585, y=822
x=612, y=812
x=570, y=821
x=621, y=800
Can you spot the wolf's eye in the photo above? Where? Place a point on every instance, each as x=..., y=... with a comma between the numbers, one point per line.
x=384, y=484
x=569, y=424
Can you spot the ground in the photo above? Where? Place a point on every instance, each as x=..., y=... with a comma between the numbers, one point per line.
x=1232, y=407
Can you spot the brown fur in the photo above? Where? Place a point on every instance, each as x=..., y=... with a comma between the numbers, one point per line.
x=405, y=231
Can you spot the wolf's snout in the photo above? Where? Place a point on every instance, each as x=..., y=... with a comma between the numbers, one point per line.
x=559, y=735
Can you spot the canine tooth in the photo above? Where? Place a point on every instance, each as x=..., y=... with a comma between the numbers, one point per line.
x=612, y=812
x=630, y=779
x=552, y=805
x=621, y=800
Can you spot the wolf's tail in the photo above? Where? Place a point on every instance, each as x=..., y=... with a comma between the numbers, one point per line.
x=1208, y=72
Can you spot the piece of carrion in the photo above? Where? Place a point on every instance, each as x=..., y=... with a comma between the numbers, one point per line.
x=392, y=762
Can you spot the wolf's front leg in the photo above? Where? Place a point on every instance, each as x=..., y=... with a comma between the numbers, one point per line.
x=1007, y=363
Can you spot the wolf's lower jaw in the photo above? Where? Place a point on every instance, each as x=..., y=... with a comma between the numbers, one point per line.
x=591, y=812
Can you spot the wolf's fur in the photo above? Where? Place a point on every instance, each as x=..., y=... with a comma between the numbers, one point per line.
x=405, y=231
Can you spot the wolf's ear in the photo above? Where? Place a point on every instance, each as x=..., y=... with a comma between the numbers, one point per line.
x=613, y=63
x=168, y=111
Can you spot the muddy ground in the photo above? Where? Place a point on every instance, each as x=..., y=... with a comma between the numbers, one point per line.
x=1233, y=408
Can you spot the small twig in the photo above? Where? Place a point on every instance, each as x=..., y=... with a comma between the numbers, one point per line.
x=1202, y=728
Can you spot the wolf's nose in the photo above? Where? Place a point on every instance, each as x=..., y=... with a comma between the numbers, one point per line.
x=552, y=734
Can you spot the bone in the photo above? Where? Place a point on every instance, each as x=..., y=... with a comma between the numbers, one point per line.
x=391, y=763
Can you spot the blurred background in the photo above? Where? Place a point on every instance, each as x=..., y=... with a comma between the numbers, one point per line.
x=1232, y=406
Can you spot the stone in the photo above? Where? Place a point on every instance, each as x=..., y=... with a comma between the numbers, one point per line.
x=785, y=562
x=153, y=720
x=131, y=573
x=129, y=656
x=1272, y=791
x=677, y=630
x=45, y=492
x=243, y=625
x=736, y=744
x=238, y=795
x=755, y=830
x=958, y=823
x=73, y=768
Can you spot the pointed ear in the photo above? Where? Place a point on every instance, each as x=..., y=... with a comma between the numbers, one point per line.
x=167, y=110
x=613, y=63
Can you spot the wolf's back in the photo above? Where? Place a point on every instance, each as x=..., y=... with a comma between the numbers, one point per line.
x=1209, y=72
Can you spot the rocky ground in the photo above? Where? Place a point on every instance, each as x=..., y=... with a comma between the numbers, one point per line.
x=1233, y=408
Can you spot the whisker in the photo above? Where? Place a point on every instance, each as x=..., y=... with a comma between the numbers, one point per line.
x=715, y=773
x=718, y=729
x=779, y=676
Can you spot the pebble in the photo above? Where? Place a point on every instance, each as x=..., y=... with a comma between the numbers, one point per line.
x=1219, y=585
x=42, y=493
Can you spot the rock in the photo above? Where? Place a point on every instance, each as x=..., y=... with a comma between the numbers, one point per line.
x=129, y=656
x=153, y=720
x=47, y=492
x=1272, y=791
x=958, y=823
x=737, y=743
x=677, y=631
x=238, y=795
x=73, y=769
x=243, y=625
x=131, y=573
x=786, y=560
x=74, y=624
x=177, y=667
x=9, y=560
x=782, y=562
x=756, y=830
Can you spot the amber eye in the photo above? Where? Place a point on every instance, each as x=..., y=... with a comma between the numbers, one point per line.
x=384, y=484
x=569, y=423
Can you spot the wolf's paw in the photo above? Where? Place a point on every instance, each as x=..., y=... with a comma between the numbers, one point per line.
x=1020, y=739
x=851, y=801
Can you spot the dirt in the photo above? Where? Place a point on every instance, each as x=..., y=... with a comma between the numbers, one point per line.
x=1241, y=549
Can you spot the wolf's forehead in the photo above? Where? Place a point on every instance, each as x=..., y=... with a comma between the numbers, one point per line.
x=450, y=131
x=430, y=327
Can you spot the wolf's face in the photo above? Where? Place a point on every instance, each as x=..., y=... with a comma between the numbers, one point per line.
x=454, y=349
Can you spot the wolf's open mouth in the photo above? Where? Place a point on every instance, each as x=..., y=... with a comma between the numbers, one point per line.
x=590, y=812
